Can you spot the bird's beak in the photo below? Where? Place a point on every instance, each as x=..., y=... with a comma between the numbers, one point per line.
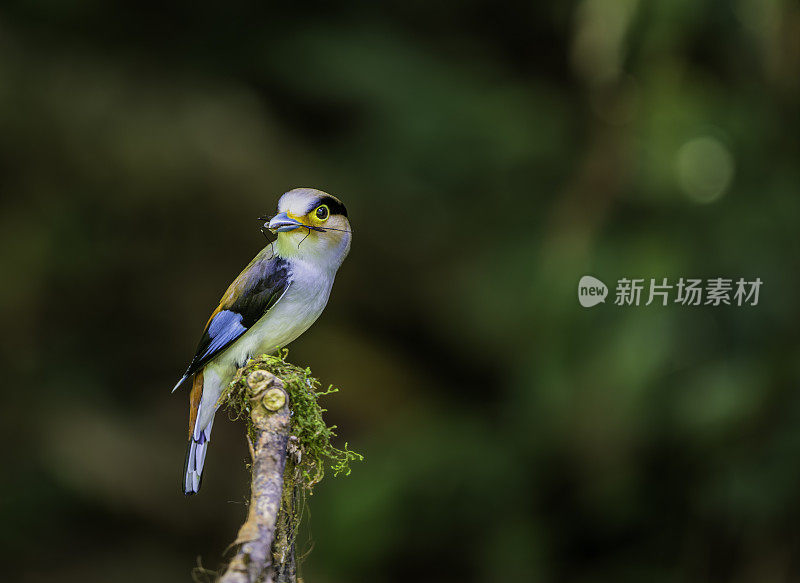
x=283, y=222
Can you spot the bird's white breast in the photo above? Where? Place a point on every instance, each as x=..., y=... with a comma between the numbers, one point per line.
x=293, y=314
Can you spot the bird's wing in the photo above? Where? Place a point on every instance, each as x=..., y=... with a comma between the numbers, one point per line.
x=257, y=289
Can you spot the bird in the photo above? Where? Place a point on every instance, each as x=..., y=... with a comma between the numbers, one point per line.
x=276, y=298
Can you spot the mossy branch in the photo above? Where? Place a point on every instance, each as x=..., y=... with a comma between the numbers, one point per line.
x=290, y=445
x=311, y=435
x=268, y=438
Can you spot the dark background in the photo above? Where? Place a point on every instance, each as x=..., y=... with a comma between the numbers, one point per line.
x=489, y=155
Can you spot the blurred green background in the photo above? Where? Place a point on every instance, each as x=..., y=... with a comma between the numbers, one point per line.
x=489, y=155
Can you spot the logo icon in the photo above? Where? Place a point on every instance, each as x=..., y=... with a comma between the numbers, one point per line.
x=591, y=291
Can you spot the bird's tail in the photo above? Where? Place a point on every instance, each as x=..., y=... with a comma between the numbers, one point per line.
x=195, y=458
x=199, y=437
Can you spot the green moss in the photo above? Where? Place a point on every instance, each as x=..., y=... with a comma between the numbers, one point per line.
x=309, y=449
x=310, y=434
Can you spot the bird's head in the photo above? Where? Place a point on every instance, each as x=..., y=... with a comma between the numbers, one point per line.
x=311, y=225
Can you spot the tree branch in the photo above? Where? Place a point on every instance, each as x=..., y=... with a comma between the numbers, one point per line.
x=269, y=416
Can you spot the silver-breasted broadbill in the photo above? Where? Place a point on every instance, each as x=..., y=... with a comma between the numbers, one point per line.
x=274, y=300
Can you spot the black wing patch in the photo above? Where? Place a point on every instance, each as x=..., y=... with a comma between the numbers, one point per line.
x=250, y=296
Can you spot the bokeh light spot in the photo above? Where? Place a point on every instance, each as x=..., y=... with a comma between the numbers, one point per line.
x=705, y=168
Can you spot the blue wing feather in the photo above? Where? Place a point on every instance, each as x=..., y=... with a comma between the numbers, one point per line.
x=223, y=329
x=249, y=297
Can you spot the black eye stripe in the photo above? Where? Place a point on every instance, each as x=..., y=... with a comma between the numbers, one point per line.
x=336, y=207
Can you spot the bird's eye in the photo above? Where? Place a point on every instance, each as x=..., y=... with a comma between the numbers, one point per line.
x=322, y=212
